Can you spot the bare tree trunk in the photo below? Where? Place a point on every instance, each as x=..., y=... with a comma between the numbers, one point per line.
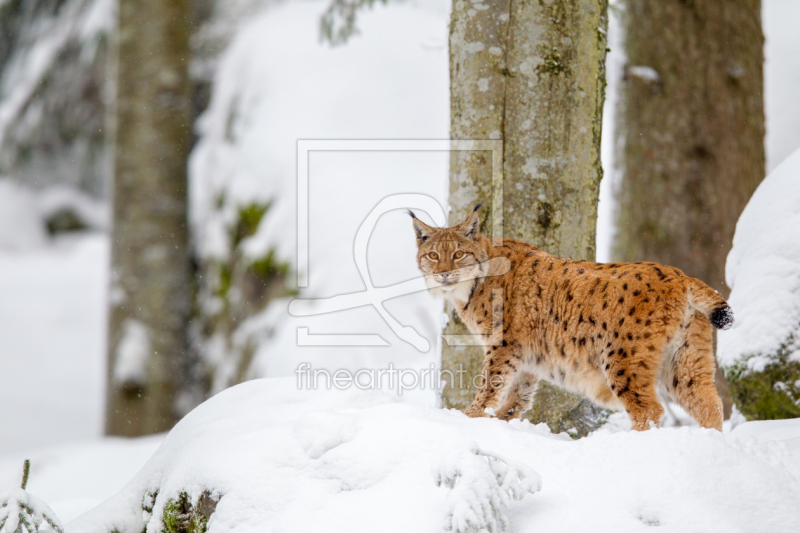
x=691, y=133
x=531, y=74
x=150, y=296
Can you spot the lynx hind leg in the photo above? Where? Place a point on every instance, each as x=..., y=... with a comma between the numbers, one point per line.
x=517, y=397
x=692, y=381
x=643, y=407
x=631, y=375
x=498, y=375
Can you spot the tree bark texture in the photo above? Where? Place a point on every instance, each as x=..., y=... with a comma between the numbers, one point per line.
x=691, y=133
x=149, y=363
x=531, y=74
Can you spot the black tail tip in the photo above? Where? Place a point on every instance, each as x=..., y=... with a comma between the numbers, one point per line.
x=722, y=318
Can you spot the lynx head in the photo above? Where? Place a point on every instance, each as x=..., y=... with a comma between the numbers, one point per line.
x=452, y=259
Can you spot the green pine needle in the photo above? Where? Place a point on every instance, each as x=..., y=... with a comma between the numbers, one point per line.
x=26, y=470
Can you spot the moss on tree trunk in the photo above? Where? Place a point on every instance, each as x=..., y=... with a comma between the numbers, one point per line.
x=769, y=393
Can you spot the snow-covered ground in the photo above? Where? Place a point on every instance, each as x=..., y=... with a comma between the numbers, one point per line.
x=280, y=459
x=75, y=477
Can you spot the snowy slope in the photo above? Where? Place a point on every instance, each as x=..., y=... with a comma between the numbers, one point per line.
x=295, y=461
x=763, y=272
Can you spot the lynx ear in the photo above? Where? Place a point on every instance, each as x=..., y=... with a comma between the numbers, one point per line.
x=422, y=230
x=469, y=228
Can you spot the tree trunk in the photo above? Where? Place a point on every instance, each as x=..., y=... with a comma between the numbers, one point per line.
x=691, y=133
x=531, y=74
x=149, y=363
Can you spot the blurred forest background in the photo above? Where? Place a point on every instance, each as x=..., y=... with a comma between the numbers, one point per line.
x=159, y=137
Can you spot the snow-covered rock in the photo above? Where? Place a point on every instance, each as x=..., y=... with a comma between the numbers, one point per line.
x=267, y=457
x=28, y=215
x=761, y=353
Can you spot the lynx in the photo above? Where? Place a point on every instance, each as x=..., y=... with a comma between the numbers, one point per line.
x=616, y=333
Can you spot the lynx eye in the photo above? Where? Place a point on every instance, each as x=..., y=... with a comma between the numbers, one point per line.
x=433, y=255
x=458, y=255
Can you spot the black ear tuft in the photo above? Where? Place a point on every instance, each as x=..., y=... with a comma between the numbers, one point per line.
x=477, y=207
x=411, y=213
x=469, y=228
x=421, y=230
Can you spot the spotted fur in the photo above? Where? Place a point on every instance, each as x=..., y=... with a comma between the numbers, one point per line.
x=616, y=333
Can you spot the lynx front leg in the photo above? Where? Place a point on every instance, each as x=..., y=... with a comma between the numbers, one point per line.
x=519, y=396
x=497, y=378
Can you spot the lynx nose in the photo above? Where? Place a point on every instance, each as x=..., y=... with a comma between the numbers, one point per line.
x=444, y=276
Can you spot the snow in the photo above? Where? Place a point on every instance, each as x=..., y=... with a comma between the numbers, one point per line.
x=20, y=509
x=781, y=79
x=95, y=214
x=52, y=354
x=389, y=82
x=612, y=175
x=645, y=73
x=21, y=227
x=73, y=478
x=382, y=85
x=25, y=211
x=283, y=459
x=763, y=272
x=130, y=365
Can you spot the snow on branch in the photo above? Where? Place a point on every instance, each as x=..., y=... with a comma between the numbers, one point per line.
x=22, y=513
x=483, y=485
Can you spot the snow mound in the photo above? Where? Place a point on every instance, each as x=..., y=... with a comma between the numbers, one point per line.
x=275, y=458
x=763, y=272
x=26, y=213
